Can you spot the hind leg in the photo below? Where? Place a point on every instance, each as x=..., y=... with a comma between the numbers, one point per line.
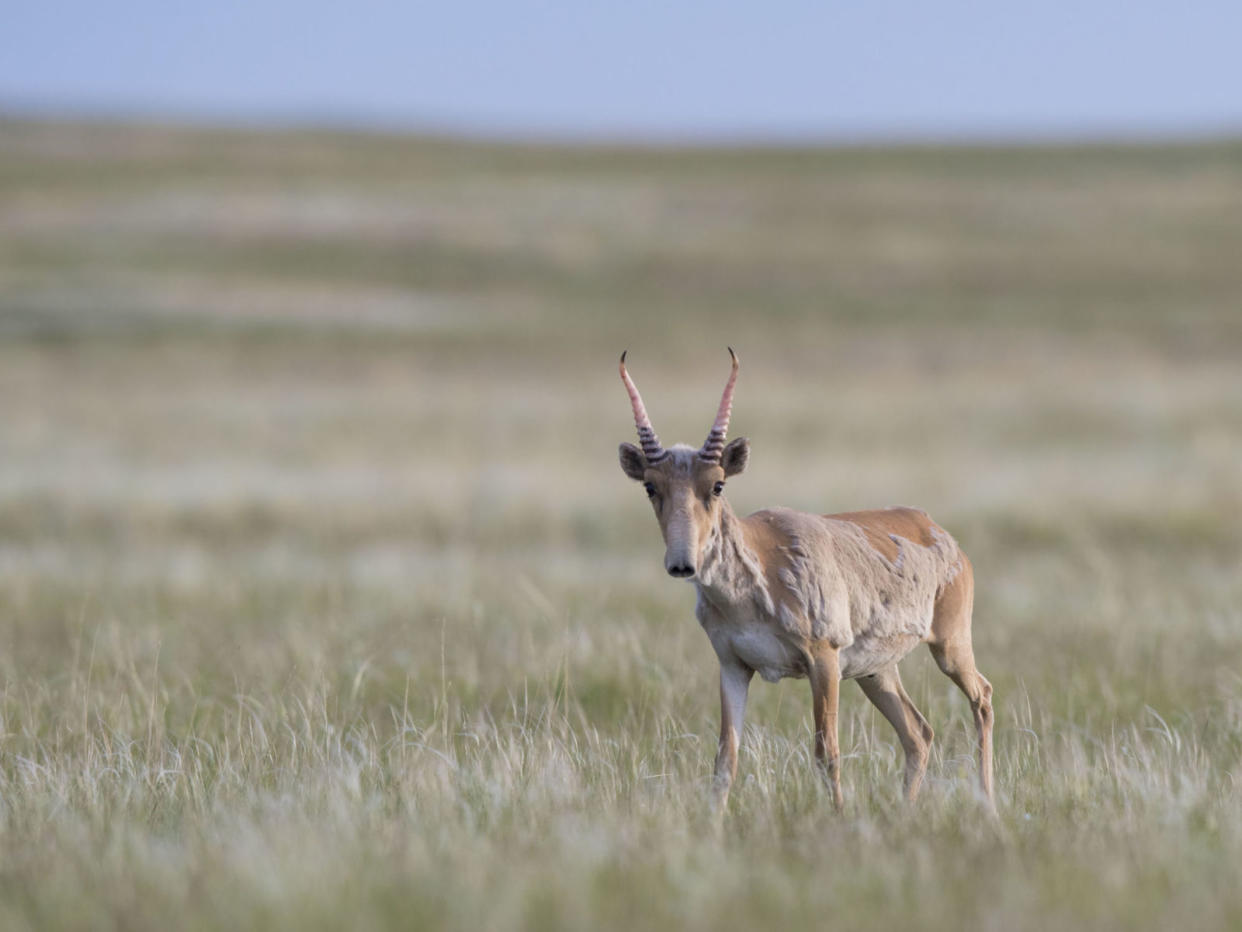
x=957, y=661
x=886, y=693
x=950, y=644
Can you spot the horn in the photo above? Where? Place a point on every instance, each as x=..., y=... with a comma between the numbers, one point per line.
x=646, y=434
x=713, y=446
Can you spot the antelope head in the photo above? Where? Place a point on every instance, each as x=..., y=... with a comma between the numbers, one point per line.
x=685, y=485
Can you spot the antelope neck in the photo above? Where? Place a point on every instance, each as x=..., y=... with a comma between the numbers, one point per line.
x=730, y=571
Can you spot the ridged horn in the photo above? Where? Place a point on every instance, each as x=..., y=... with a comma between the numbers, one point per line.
x=646, y=434
x=713, y=446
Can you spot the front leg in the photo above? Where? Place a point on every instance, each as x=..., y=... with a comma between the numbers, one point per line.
x=734, y=684
x=825, y=675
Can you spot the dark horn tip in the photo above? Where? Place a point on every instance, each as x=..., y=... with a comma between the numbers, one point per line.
x=623, y=352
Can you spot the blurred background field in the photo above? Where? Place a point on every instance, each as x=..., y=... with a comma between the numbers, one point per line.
x=324, y=602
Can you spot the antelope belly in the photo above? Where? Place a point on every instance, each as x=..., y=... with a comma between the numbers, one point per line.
x=871, y=653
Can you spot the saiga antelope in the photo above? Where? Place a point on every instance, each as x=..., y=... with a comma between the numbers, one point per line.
x=830, y=597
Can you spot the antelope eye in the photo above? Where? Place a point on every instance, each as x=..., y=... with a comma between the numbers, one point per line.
x=651, y=489
x=718, y=488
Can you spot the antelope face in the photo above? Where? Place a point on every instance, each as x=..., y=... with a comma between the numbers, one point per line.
x=687, y=494
x=686, y=486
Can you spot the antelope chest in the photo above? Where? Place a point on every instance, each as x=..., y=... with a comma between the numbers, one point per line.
x=762, y=649
x=757, y=642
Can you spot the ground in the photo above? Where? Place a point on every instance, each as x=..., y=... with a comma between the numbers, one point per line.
x=324, y=602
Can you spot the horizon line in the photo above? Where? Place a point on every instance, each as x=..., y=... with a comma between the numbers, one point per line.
x=533, y=134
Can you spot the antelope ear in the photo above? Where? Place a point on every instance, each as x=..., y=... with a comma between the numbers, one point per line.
x=735, y=455
x=633, y=463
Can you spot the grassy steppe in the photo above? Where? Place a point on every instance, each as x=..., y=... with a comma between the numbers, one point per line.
x=324, y=603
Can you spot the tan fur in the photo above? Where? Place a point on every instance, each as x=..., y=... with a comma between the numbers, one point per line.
x=784, y=593
x=830, y=597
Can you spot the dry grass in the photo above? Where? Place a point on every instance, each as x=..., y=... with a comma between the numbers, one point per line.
x=324, y=603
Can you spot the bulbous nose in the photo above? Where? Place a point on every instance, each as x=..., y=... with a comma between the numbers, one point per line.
x=681, y=570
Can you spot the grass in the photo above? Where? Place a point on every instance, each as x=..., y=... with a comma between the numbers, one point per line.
x=324, y=603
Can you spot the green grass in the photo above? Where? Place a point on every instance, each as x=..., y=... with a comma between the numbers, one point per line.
x=324, y=603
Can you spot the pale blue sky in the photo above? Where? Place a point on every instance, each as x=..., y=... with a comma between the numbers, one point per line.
x=685, y=70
